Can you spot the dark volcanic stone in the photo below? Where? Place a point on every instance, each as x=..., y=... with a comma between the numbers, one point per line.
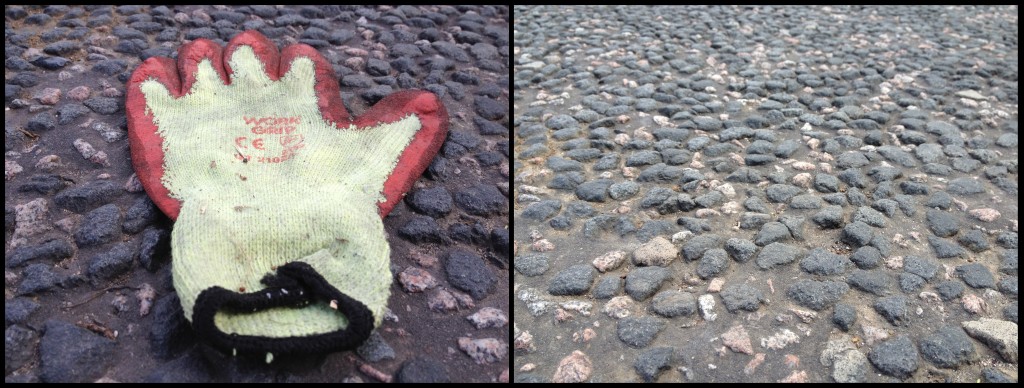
x=896, y=357
x=948, y=347
x=893, y=309
x=643, y=282
x=100, y=226
x=741, y=297
x=776, y=254
x=857, y=234
x=772, y=232
x=638, y=332
x=831, y=217
x=421, y=229
x=532, y=265
x=469, y=272
x=923, y=267
x=490, y=109
x=674, y=303
x=866, y=257
x=542, y=210
x=154, y=248
x=435, y=202
x=481, y=200
x=72, y=354
x=422, y=370
x=817, y=295
x=942, y=223
x=876, y=282
x=965, y=186
x=652, y=362
x=713, y=263
x=822, y=262
x=52, y=250
x=976, y=275
x=607, y=287
x=741, y=250
x=37, y=278
x=112, y=263
x=142, y=213
x=594, y=191
x=950, y=289
x=844, y=316
x=575, y=280
x=81, y=198
x=695, y=248
x=945, y=248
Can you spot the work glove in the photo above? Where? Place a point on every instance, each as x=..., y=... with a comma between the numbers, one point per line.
x=277, y=193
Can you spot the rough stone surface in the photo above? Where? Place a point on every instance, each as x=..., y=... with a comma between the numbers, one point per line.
x=948, y=347
x=652, y=362
x=896, y=357
x=575, y=280
x=638, y=332
x=659, y=251
x=999, y=335
x=643, y=282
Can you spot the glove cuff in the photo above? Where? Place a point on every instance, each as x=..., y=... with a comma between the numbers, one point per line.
x=296, y=285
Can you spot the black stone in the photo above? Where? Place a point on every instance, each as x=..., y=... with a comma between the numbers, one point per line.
x=482, y=200
x=37, y=278
x=652, y=362
x=422, y=370
x=741, y=297
x=469, y=272
x=435, y=202
x=141, y=214
x=575, y=280
x=170, y=334
x=422, y=229
x=85, y=197
x=99, y=226
x=948, y=347
x=894, y=309
x=71, y=354
x=52, y=250
x=844, y=316
x=112, y=263
x=638, y=332
x=817, y=295
x=896, y=357
x=155, y=247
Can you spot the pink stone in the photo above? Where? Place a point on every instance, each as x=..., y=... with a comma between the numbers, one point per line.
x=716, y=285
x=795, y=377
x=738, y=340
x=416, y=280
x=609, y=261
x=986, y=215
x=49, y=96
x=753, y=364
x=575, y=368
x=79, y=93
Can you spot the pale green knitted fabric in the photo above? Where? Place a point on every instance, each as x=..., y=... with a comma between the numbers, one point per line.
x=239, y=220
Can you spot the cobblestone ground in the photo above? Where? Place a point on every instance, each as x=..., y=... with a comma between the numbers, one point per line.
x=88, y=293
x=765, y=194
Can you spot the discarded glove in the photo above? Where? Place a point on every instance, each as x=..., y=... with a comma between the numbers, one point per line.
x=277, y=192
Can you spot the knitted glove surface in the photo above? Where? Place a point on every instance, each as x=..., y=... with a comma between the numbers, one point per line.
x=277, y=192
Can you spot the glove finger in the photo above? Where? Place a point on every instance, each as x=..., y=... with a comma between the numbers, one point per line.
x=146, y=143
x=416, y=157
x=192, y=54
x=265, y=50
x=328, y=93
